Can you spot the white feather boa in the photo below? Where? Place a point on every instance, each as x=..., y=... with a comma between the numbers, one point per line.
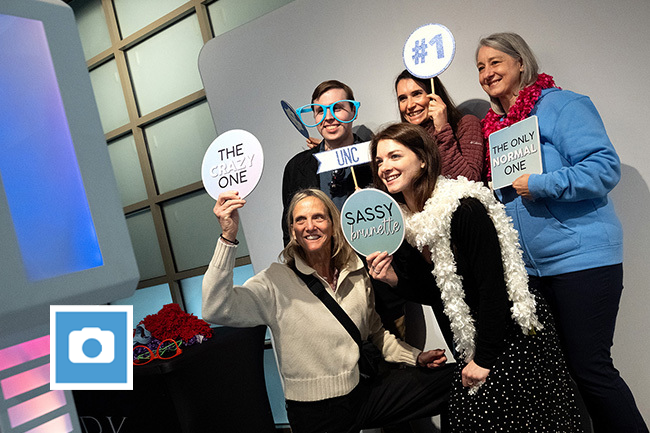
x=432, y=228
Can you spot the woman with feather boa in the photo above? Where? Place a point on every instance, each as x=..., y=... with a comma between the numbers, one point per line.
x=462, y=254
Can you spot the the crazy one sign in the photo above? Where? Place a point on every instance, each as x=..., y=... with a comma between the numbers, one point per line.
x=234, y=161
x=372, y=221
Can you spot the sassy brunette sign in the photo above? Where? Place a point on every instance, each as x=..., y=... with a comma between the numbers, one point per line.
x=372, y=221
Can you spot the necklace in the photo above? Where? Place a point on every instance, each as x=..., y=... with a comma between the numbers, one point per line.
x=520, y=110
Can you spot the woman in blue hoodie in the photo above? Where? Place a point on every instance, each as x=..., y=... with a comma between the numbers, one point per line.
x=568, y=229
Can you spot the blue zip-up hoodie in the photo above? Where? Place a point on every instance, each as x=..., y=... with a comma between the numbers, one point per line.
x=571, y=224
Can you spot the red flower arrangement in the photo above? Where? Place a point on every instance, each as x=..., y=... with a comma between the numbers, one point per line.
x=172, y=322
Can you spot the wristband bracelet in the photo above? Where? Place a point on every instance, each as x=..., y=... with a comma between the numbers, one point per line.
x=235, y=242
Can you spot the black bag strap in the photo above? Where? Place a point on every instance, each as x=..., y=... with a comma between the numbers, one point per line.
x=317, y=288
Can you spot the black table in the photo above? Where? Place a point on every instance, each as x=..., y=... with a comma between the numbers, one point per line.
x=216, y=386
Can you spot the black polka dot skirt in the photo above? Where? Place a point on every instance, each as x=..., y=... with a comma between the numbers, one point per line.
x=528, y=390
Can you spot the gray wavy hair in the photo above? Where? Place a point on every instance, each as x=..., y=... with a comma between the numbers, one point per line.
x=516, y=47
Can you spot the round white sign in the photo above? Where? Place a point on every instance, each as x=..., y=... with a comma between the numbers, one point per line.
x=234, y=161
x=429, y=50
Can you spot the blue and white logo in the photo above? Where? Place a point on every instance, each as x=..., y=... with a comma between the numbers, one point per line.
x=91, y=347
x=429, y=50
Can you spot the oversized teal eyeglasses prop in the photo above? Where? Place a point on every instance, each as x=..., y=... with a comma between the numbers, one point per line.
x=345, y=111
x=428, y=51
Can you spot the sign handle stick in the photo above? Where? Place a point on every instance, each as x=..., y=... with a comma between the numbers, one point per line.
x=433, y=86
x=354, y=177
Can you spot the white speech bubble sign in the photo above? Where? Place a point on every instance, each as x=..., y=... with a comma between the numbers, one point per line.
x=294, y=119
x=234, y=161
x=429, y=50
x=372, y=221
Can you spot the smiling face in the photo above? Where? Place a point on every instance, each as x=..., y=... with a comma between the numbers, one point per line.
x=413, y=101
x=312, y=227
x=499, y=75
x=335, y=133
x=398, y=167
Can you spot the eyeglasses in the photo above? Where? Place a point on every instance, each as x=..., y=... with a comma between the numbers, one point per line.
x=167, y=349
x=336, y=184
x=345, y=111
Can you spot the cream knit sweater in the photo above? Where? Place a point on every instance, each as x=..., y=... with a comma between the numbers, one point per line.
x=316, y=355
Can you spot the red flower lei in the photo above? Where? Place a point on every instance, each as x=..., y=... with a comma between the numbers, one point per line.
x=520, y=110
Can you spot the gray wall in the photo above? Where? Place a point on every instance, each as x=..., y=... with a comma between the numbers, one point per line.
x=596, y=48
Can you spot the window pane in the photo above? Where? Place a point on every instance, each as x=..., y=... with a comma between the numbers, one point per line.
x=164, y=68
x=145, y=244
x=274, y=388
x=126, y=166
x=109, y=96
x=177, y=145
x=147, y=301
x=194, y=230
x=91, y=23
x=133, y=15
x=225, y=15
x=191, y=291
x=191, y=288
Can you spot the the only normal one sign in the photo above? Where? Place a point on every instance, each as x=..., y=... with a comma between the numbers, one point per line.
x=515, y=151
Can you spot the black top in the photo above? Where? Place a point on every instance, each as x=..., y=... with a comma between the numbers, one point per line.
x=478, y=258
x=300, y=173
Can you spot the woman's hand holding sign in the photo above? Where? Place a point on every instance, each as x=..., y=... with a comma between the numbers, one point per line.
x=521, y=186
x=437, y=111
x=379, y=267
x=226, y=210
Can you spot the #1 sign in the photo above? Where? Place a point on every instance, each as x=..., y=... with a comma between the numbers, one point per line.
x=429, y=50
x=372, y=221
x=514, y=151
x=234, y=161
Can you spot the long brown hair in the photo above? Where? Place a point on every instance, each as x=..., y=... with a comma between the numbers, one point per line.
x=453, y=114
x=342, y=252
x=419, y=142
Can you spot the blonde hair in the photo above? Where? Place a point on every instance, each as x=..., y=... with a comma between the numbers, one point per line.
x=341, y=253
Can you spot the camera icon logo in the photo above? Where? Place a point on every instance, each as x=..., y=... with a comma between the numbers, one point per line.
x=91, y=346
